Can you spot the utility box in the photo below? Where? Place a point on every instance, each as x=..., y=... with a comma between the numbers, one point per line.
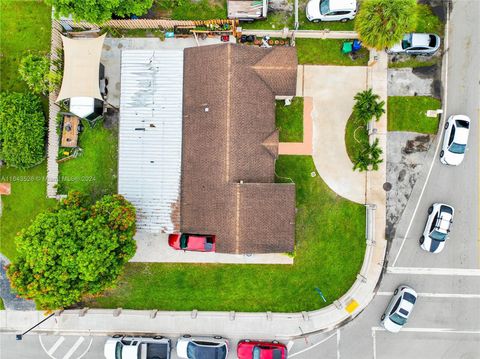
x=247, y=10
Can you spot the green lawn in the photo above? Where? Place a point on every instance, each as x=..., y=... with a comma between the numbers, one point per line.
x=25, y=27
x=409, y=114
x=28, y=198
x=95, y=170
x=190, y=9
x=414, y=62
x=327, y=52
x=2, y=306
x=275, y=21
x=355, y=136
x=289, y=120
x=330, y=246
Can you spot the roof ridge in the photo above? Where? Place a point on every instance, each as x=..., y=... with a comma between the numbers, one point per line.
x=270, y=143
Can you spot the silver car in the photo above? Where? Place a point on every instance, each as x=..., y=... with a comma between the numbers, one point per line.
x=439, y=222
x=455, y=139
x=417, y=44
x=399, y=309
x=202, y=347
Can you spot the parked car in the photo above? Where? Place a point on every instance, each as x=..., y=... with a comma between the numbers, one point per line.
x=417, y=44
x=202, y=347
x=399, y=309
x=251, y=349
x=331, y=10
x=439, y=221
x=455, y=140
x=192, y=242
x=124, y=347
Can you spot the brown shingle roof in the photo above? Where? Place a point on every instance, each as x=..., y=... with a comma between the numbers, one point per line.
x=229, y=136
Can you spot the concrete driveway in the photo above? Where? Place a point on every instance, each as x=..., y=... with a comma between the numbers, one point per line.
x=332, y=89
x=153, y=247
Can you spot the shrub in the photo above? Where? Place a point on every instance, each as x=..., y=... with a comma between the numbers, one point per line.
x=22, y=129
x=99, y=11
x=369, y=157
x=34, y=70
x=75, y=250
x=382, y=23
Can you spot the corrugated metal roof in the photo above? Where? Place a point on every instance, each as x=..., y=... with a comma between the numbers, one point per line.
x=150, y=138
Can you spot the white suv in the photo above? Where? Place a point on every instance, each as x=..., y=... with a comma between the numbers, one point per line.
x=439, y=221
x=331, y=10
x=455, y=140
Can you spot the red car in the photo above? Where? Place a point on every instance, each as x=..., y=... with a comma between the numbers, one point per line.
x=250, y=349
x=192, y=242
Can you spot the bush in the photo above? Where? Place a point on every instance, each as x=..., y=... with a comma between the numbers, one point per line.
x=368, y=158
x=22, y=130
x=34, y=70
x=75, y=250
x=382, y=23
x=99, y=11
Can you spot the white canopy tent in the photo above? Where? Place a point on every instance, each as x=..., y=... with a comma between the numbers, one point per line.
x=81, y=68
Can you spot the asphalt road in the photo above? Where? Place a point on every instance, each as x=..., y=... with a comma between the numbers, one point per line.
x=446, y=320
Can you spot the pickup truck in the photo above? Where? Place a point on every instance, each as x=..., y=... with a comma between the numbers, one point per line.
x=123, y=347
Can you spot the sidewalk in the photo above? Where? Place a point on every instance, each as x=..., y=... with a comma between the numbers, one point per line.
x=310, y=34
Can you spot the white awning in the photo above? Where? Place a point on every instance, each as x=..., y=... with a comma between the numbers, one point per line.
x=82, y=106
x=81, y=67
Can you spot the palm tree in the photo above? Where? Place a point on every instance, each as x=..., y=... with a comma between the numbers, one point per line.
x=382, y=23
x=369, y=157
x=367, y=106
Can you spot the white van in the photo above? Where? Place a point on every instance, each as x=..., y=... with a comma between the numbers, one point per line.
x=331, y=10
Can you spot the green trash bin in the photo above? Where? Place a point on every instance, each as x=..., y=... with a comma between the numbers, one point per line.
x=347, y=47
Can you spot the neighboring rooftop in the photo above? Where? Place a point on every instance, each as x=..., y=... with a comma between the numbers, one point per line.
x=150, y=139
x=230, y=144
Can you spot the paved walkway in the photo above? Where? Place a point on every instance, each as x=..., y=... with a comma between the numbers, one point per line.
x=10, y=300
x=332, y=89
x=311, y=34
x=305, y=147
x=154, y=248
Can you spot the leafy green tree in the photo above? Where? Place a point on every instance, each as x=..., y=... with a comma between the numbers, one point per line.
x=367, y=106
x=22, y=129
x=382, y=23
x=34, y=70
x=99, y=11
x=74, y=250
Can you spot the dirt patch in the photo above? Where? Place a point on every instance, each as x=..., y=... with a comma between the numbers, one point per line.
x=406, y=158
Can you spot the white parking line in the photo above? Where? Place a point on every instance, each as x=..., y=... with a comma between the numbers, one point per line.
x=338, y=343
x=441, y=124
x=374, y=340
x=74, y=348
x=432, y=330
x=438, y=295
x=311, y=347
x=56, y=345
x=434, y=271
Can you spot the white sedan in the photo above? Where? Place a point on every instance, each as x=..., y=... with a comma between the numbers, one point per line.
x=440, y=219
x=417, y=44
x=398, y=310
x=202, y=347
x=455, y=140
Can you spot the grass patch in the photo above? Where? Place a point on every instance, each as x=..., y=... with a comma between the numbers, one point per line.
x=408, y=113
x=327, y=52
x=330, y=246
x=275, y=20
x=28, y=198
x=289, y=120
x=25, y=28
x=414, y=62
x=356, y=136
x=190, y=10
x=95, y=170
x=429, y=22
x=2, y=306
